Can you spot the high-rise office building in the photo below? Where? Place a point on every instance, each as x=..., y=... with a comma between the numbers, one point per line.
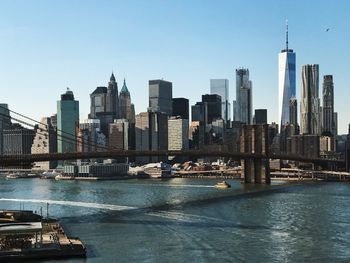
x=180, y=108
x=17, y=140
x=125, y=106
x=178, y=133
x=151, y=132
x=45, y=141
x=221, y=88
x=310, y=103
x=328, y=125
x=104, y=104
x=91, y=138
x=160, y=96
x=5, y=122
x=260, y=116
x=244, y=99
x=118, y=135
x=67, y=122
x=213, y=103
x=286, y=82
x=112, y=99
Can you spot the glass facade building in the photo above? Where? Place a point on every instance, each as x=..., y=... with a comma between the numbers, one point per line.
x=286, y=82
x=221, y=88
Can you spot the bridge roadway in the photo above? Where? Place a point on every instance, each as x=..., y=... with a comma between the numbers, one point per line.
x=6, y=160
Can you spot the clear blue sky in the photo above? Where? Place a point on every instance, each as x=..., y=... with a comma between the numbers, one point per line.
x=46, y=46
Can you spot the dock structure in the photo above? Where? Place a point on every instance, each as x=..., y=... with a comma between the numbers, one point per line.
x=21, y=239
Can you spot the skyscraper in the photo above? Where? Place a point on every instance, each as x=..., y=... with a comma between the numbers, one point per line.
x=104, y=104
x=244, y=99
x=160, y=95
x=178, y=133
x=180, y=108
x=67, y=122
x=112, y=100
x=5, y=122
x=45, y=141
x=286, y=82
x=151, y=132
x=293, y=113
x=213, y=102
x=221, y=88
x=310, y=103
x=260, y=116
x=125, y=106
x=328, y=105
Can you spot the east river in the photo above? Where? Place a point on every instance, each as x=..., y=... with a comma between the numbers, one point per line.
x=188, y=220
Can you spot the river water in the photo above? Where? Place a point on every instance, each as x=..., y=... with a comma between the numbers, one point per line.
x=188, y=220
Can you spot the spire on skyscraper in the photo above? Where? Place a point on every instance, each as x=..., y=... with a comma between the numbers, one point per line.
x=124, y=88
x=287, y=35
x=112, y=77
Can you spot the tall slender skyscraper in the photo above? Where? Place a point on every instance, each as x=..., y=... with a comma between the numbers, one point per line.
x=310, y=102
x=286, y=82
x=67, y=122
x=112, y=100
x=221, y=87
x=328, y=105
x=244, y=97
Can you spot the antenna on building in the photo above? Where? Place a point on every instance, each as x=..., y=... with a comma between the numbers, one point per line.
x=287, y=35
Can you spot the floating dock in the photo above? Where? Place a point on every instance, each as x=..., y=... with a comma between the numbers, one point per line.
x=21, y=238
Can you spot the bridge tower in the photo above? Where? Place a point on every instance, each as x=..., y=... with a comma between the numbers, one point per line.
x=254, y=140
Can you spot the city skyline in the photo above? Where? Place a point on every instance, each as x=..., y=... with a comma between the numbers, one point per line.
x=65, y=57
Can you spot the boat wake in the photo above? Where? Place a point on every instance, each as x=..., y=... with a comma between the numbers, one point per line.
x=72, y=203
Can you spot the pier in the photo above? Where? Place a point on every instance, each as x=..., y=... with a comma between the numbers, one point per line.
x=21, y=238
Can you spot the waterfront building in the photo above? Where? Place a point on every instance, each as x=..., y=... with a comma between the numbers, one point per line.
x=180, y=108
x=151, y=133
x=221, y=88
x=329, y=124
x=260, y=116
x=244, y=97
x=286, y=82
x=17, y=140
x=310, y=102
x=67, y=122
x=5, y=122
x=178, y=133
x=96, y=170
x=118, y=135
x=160, y=96
x=45, y=141
x=213, y=105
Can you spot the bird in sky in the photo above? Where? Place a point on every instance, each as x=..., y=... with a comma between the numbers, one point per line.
x=327, y=29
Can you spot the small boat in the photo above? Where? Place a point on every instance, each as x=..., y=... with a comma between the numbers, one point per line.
x=64, y=177
x=16, y=175
x=222, y=185
x=50, y=174
x=33, y=175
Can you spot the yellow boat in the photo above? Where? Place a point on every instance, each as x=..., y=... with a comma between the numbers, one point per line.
x=222, y=185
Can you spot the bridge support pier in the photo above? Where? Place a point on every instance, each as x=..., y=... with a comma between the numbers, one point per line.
x=254, y=139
